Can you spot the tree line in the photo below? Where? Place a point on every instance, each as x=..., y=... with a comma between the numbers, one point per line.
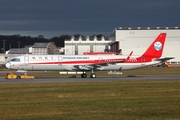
x=18, y=41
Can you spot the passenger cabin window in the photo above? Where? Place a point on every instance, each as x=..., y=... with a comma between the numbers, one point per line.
x=16, y=60
x=46, y=58
x=40, y=58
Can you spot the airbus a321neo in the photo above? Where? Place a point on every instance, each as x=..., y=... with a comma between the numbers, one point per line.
x=91, y=63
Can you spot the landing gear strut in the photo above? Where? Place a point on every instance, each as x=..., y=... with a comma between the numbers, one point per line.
x=93, y=75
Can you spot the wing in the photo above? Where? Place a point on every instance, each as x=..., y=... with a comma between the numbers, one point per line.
x=100, y=65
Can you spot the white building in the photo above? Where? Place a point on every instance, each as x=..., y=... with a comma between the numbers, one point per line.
x=2, y=59
x=77, y=46
x=138, y=40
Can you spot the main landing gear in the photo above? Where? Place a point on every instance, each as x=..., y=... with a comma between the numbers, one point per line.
x=92, y=75
x=84, y=75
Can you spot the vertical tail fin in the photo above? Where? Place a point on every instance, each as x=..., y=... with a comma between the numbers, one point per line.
x=156, y=48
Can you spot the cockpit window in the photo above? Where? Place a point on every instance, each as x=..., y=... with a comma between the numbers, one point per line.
x=15, y=60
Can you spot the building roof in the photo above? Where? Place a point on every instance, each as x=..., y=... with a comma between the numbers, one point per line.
x=147, y=28
x=40, y=45
x=88, y=38
x=18, y=51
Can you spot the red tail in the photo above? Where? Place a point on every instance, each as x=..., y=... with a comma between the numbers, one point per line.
x=156, y=48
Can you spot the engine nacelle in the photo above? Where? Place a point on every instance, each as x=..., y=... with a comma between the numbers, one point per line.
x=100, y=68
x=85, y=67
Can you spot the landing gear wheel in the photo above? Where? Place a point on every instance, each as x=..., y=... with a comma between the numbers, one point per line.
x=93, y=75
x=18, y=77
x=83, y=75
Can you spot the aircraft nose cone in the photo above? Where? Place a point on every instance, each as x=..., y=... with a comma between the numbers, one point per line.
x=8, y=65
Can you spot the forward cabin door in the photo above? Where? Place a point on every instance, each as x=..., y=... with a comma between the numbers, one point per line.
x=26, y=63
x=26, y=60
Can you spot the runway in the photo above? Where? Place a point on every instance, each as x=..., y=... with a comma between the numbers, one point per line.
x=98, y=79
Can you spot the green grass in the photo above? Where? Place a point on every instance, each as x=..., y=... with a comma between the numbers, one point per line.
x=146, y=100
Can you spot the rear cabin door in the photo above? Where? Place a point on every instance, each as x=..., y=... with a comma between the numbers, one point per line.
x=143, y=60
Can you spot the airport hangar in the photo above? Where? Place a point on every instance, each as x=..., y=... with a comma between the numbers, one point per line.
x=127, y=39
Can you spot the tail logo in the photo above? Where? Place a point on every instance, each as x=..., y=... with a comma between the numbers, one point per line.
x=157, y=46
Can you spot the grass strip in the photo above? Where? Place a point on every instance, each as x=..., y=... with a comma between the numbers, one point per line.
x=145, y=100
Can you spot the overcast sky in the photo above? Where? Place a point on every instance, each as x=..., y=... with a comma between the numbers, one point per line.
x=86, y=17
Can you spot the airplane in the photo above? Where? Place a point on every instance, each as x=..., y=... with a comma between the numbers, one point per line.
x=91, y=63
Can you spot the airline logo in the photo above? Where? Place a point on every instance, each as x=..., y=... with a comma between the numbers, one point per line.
x=157, y=46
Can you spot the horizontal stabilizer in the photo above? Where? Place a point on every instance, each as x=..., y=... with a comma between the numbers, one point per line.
x=164, y=59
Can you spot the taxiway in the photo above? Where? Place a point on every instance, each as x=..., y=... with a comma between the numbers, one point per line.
x=98, y=79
